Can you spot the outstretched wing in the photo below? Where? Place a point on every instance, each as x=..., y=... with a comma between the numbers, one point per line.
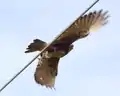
x=37, y=45
x=46, y=71
x=82, y=26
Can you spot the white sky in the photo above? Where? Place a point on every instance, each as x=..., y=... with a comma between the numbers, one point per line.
x=91, y=69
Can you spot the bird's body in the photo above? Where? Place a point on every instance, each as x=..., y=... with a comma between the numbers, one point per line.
x=47, y=68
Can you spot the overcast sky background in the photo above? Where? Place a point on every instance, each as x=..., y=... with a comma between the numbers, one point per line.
x=91, y=69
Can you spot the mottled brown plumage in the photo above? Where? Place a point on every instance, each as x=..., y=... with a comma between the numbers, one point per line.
x=47, y=68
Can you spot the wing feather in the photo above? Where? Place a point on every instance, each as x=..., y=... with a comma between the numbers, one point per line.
x=83, y=26
x=46, y=71
x=36, y=45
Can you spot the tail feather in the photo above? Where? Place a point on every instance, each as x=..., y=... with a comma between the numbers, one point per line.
x=37, y=45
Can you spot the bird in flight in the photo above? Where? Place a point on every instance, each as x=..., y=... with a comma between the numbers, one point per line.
x=47, y=68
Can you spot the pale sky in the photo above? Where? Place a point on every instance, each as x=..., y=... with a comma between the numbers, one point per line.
x=91, y=69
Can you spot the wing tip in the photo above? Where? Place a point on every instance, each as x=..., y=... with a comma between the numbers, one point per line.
x=101, y=19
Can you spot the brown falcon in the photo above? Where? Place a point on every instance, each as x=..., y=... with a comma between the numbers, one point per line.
x=47, y=68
